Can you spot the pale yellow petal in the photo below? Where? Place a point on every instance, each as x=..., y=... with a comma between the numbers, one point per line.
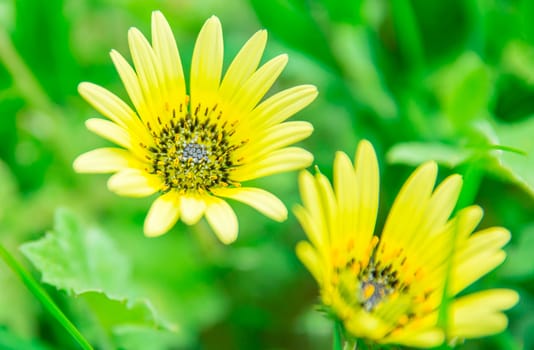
x=313, y=231
x=408, y=209
x=314, y=211
x=309, y=257
x=109, y=105
x=222, y=219
x=192, y=208
x=109, y=131
x=166, y=51
x=243, y=65
x=253, y=90
x=132, y=86
x=329, y=204
x=421, y=339
x=479, y=314
x=367, y=182
x=286, y=159
x=206, y=64
x=148, y=70
x=163, y=214
x=261, y=200
x=282, y=105
x=104, y=160
x=345, y=189
x=134, y=183
x=273, y=138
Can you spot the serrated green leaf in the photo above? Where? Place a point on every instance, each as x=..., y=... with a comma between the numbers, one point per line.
x=78, y=261
x=87, y=264
x=415, y=153
x=518, y=168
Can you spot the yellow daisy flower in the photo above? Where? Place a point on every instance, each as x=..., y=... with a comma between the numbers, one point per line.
x=389, y=289
x=196, y=147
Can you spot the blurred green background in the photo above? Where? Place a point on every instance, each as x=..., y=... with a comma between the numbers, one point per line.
x=446, y=80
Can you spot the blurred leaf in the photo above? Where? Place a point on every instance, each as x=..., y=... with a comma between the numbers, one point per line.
x=464, y=89
x=519, y=263
x=415, y=153
x=343, y=10
x=136, y=337
x=86, y=263
x=78, y=260
x=516, y=167
x=351, y=46
x=292, y=22
x=518, y=58
x=8, y=188
x=9, y=341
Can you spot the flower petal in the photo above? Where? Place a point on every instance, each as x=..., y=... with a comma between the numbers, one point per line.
x=282, y=105
x=261, y=200
x=192, y=207
x=163, y=214
x=243, y=65
x=222, y=219
x=206, y=64
x=166, y=51
x=109, y=131
x=275, y=137
x=104, y=160
x=134, y=183
x=285, y=159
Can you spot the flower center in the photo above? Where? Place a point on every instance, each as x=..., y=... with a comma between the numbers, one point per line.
x=192, y=151
x=376, y=284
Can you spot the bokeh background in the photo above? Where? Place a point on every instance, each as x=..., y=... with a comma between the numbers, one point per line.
x=446, y=80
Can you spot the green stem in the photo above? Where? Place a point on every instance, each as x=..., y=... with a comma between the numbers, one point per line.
x=44, y=298
x=337, y=338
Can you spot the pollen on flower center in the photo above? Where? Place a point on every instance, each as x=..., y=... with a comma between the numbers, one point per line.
x=376, y=283
x=193, y=151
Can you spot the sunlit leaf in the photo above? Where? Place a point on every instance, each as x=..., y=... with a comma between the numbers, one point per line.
x=10, y=341
x=77, y=260
x=415, y=153
x=464, y=89
x=518, y=58
x=518, y=168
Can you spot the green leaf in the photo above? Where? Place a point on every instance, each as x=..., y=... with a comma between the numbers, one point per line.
x=464, y=89
x=78, y=261
x=519, y=263
x=86, y=263
x=304, y=34
x=10, y=341
x=518, y=59
x=139, y=337
x=415, y=153
x=518, y=168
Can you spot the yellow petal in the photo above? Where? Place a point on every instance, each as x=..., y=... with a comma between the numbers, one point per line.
x=192, y=207
x=109, y=105
x=345, y=189
x=206, y=64
x=313, y=219
x=163, y=214
x=282, y=105
x=261, y=200
x=109, y=131
x=286, y=159
x=243, y=65
x=251, y=92
x=275, y=137
x=167, y=54
x=104, y=160
x=367, y=182
x=134, y=183
x=132, y=86
x=148, y=70
x=222, y=219
x=311, y=260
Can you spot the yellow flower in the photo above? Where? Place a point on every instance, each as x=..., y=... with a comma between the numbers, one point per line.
x=197, y=146
x=389, y=289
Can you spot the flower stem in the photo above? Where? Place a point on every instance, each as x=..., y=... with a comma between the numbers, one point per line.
x=44, y=298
